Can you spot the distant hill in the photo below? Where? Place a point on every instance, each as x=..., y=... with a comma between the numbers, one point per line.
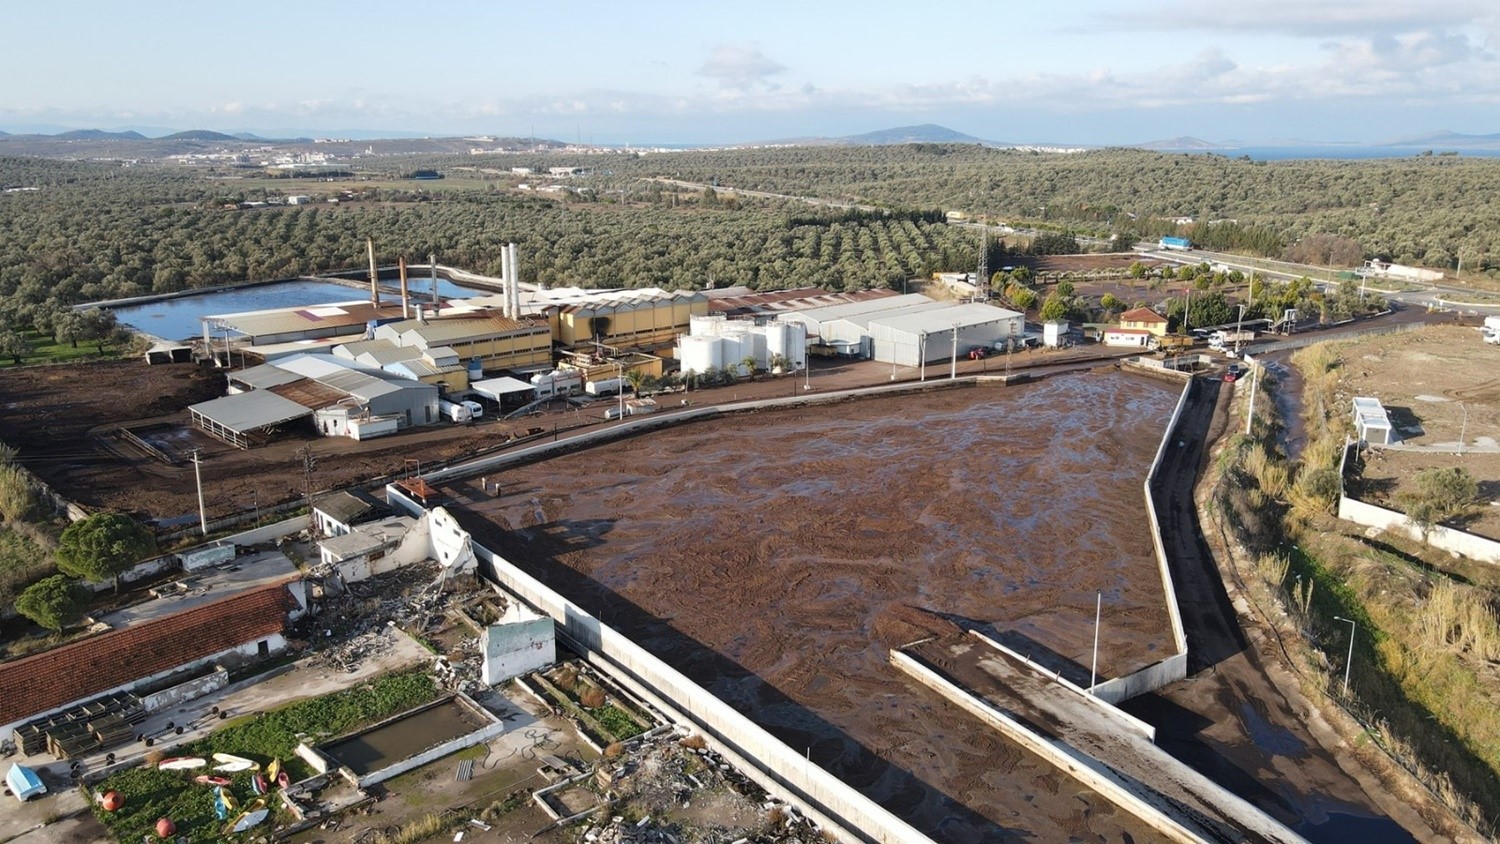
x=1180, y=143
x=199, y=135
x=247, y=136
x=1447, y=139
x=99, y=135
x=927, y=133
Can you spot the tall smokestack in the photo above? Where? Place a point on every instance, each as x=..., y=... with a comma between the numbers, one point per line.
x=374, y=274
x=405, y=299
x=505, y=279
x=432, y=265
x=515, y=283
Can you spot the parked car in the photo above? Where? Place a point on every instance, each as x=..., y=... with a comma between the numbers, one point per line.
x=1234, y=372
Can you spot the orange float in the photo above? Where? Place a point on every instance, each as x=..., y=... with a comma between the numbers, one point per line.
x=111, y=801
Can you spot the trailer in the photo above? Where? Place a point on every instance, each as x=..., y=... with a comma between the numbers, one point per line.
x=1221, y=341
x=1176, y=244
x=455, y=411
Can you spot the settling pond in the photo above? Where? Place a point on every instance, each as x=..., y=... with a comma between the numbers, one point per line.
x=408, y=735
x=180, y=319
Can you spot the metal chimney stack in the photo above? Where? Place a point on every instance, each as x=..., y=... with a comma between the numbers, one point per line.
x=374, y=273
x=432, y=265
x=515, y=282
x=405, y=299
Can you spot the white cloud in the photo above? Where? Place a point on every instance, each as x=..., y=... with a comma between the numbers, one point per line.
x=1310, y=18
x=740, y=67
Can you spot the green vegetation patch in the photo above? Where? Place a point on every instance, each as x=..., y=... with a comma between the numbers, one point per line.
x=22, y=562
x=151, y=794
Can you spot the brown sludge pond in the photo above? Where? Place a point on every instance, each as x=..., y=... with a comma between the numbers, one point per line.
x=777, y=557
x=406, y=736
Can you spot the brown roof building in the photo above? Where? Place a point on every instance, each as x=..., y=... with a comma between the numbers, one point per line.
x=119, y=658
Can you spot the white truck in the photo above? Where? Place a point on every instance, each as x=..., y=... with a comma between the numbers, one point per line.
x=558, y=382
x=455, y=411
x=1225, y=341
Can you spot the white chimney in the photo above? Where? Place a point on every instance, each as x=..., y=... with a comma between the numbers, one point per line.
x=515, y=282
x=421, y=314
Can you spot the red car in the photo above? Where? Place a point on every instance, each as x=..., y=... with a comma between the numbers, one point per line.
x=1233, y=373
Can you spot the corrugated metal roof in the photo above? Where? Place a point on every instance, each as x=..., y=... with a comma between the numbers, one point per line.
x=444, y=332
x=246, y=412
x=388, y=355
x=850, y=310
x=289, y=320
x=494, y=388
x=417, y=368
x=943, y=319
x=264, y=376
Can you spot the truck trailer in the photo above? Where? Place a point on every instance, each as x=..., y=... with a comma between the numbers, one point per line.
x=455, y=411
x=1177, y=244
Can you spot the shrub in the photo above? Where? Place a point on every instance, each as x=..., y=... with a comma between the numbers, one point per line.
x=54, y=602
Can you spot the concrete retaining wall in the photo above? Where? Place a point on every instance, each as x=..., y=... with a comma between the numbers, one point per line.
x=1082, y=768
x=844, y=811
x=192, y=689
x=431, y=754
x=315, y=760
x=1439, y=537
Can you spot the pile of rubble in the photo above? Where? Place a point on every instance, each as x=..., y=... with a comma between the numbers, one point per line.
x=671, y=790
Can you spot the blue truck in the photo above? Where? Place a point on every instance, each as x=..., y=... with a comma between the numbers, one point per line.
x=1181, y=244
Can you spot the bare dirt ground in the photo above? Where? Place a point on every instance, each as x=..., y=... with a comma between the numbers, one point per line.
x=1083, y=263
x=1439, y=385
x=775, y=558
x=59, y=418
x=54, y=415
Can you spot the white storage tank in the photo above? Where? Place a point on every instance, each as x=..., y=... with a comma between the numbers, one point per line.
x=796, y=344
x=776, y=343
x=699, y=353
x=711, y=325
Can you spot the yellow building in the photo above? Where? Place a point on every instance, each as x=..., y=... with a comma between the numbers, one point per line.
x=649, y=318
x=1144, y=319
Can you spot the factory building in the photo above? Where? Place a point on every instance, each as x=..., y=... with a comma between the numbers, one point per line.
x=440, y=366
x=343, y=398
x=648, y=318
x=905, y=329
x=911, y=337
x=718, y=342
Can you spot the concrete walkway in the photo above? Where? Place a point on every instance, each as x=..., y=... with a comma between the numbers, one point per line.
x=1057, y=712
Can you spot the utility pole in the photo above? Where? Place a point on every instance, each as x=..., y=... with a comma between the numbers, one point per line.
x=1094, y=666
x=202, y=510
x=953, y=367
x=922, y=356
x=309, y=462
x=1250, y=415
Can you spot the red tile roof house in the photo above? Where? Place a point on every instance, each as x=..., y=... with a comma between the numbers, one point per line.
x=245, y=625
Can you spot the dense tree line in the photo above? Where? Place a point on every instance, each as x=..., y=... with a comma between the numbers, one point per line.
x=1419, y=209
x=94, y=232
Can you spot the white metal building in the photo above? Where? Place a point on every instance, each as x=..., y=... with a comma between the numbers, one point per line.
x=909, y=337
x=1371, y=423
x=845, y=327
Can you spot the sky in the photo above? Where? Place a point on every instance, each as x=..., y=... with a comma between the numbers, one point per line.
x=1084, y=72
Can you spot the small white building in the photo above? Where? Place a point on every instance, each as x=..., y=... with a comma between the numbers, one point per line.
x=1128, y=337
x=1054, y=333
x=1371, y=423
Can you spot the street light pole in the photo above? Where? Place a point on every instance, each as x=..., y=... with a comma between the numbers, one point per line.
x=1350, y=660
x=953, y=367
x=1239, y=328
x=922, y=356
x=1094, y=666
x=1463, y=431
x=620, y=388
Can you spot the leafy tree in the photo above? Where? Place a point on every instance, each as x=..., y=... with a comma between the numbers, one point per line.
x=98, y=326
x=1111, y=302
x=1137, y=270
x=1206, y=309
x=54, y=602
x=14, y=345
x=1066, y=289
x=102, y=546
x=1439, y=495
x=636, y=378
x=1053, y=308
x=68, y=326
x=748, y=363
x=1022, y=297
x=1055, y=243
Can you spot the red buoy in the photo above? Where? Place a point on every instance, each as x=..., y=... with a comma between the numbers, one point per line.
x=165, y=828
x=111, y=801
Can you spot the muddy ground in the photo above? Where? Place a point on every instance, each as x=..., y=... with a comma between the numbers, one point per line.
x=775, y=558
x=59, y=418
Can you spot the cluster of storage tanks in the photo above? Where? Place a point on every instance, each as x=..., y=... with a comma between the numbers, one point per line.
x=721, y=343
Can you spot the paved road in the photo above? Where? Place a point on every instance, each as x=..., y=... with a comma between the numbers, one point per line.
x=1213, y=631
